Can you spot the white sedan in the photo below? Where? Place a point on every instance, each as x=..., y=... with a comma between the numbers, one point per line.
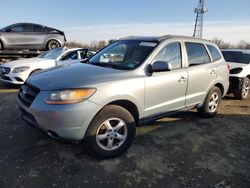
x=16, y=72
x=239, y=61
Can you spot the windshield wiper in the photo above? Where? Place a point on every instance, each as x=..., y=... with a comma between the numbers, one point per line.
x=108, y=65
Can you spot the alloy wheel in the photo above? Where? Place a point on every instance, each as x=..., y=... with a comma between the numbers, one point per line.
x=213, y=102
x=111, y=134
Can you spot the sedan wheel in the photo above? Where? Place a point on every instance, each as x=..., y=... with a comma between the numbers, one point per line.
x=245, y=89
x=53, y=44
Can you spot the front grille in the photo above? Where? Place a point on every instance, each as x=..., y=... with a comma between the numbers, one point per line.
x=5, y=70
x=27, y=94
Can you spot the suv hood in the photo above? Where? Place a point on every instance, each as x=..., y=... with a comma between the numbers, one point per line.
x=26, y=62
x=77, y=75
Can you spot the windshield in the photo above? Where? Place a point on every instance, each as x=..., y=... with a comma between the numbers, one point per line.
x=124, y=55
x=237, y=57
x=52, y=54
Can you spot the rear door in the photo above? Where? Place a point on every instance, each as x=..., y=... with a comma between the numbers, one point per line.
x=201, y=73
x=165, y=91
x=37, y=35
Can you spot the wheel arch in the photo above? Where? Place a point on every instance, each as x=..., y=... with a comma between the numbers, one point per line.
x=130, y=106
x=221, y=87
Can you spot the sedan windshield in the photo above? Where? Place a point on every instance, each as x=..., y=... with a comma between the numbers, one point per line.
x=52, y=54
x=237, y=57
x=124, y=55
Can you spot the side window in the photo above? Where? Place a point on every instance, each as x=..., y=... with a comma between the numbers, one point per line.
x=38, y=28
x=171, y=54
x=70, y=56
x=22, y=28
x=18, y=28
x=197, y=54
x=214, y=52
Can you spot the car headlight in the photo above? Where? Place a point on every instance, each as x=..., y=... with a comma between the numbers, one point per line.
x=20, y=69
x=69, y=96
x=236, y=71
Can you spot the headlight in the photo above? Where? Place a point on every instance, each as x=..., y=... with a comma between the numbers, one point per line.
x=236, y=71
x=70, y=96
x=20, y=69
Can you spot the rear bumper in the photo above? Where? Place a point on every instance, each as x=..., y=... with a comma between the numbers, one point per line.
x=68, y=122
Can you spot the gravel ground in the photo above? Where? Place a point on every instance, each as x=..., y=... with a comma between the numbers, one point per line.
x=183, y=150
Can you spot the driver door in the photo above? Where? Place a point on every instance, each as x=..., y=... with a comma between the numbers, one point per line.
x=166, y=91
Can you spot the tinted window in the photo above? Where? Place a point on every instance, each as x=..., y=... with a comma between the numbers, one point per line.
x=38, y=28
x=22, y=28
x=237, y=57
x=52, y=30
x=214, y=52
x=197, y=54
x=171, y=54
x=71, y=56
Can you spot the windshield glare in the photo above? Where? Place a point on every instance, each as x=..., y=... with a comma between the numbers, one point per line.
x=123, y=55
x=237, y=57
x=52, y=54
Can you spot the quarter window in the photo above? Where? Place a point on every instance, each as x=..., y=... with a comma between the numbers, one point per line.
x=197, y=54
x=214, y=53
x=171, y=54
x=38, y=28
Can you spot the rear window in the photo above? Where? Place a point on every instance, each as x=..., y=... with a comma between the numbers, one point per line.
x=237, y=57
x=197, y=54
x=214, y=53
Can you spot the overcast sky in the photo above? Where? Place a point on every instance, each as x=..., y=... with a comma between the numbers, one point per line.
x=86, y=21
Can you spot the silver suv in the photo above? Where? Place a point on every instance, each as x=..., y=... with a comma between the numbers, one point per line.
x=130, y=82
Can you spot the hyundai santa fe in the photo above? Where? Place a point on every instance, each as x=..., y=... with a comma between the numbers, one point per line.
x=130, y=82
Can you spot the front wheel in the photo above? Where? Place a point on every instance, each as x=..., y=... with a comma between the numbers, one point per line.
x=53, y=44
x=242, y=90
x=212, y=102
x=111, y=132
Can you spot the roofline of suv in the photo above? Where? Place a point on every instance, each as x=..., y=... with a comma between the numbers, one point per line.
x=163, y=38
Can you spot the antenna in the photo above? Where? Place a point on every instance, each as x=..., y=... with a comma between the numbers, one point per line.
x=200, y=10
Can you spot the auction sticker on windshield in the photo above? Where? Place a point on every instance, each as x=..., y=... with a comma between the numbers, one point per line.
x=148, y=44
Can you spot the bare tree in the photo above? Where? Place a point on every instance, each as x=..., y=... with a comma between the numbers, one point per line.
x=243, y=44
x=221, y=43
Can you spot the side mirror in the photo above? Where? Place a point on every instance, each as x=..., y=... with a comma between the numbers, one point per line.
x=161, y=66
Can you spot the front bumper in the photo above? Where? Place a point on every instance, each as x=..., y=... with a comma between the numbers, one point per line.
x=14, y=78
x=65, y=121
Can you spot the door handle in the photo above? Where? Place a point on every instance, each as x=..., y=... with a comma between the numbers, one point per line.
x=182, y=79
x=213, y=71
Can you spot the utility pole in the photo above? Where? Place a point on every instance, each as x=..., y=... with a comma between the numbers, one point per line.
x=200, y=10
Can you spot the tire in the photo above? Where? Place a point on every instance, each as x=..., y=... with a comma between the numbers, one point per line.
x=242, y=89
x=53, y=44
x=101, y=140
x=1, y=45
x=212, y=102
